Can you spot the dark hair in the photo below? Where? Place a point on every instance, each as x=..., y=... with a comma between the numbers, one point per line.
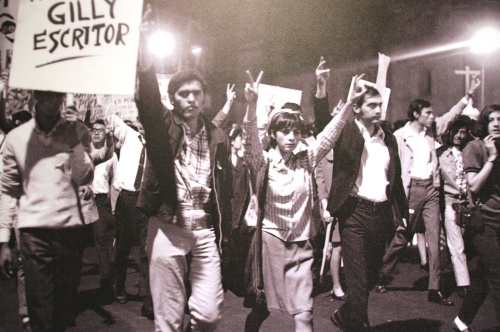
x=234, y=133
x=476, y=129
x=98, y=121
x=292, y=106
x=185, y=76
x=463, y=121
x=399, y=124
x=22, y=116
x=285, y=120
x=484, y=118
x=416, y=106
x=370, y=92
x=37, y=94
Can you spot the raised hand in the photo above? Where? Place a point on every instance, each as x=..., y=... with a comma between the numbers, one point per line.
x=252, y=88
x=474, y=84
x=489, y=142
x=230, y=93
x=322, y=74
x=358, y=89
x=337, y=108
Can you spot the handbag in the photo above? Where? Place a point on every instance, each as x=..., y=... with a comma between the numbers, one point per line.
x=468, y=213
x=255, y=296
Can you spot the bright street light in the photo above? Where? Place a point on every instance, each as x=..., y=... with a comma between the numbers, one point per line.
x=196, y=50
x=485, y=41
x=161, y=44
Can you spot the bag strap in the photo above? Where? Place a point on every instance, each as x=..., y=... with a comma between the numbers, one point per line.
x=258, y=233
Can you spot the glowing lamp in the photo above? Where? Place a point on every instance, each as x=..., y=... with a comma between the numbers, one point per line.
x=161, y=44
x=485, y=41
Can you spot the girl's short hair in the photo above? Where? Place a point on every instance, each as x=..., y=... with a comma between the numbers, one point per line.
x=283, y=120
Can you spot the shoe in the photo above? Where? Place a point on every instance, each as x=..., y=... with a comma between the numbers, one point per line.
x=457, y=329
x=120, y=295
x=382, y=282
x=337, y=321
x=435, y=296
x=424, y=267
x=147, y=308
x=379, y=288
x=338, y=298
x=25, y=321
x=462, y=291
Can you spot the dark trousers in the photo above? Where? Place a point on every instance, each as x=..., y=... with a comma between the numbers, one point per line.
x=131, y=230
x=364, y=229
x=423, y=201
x=487, y=277
x=52, y=265
x=104, y=234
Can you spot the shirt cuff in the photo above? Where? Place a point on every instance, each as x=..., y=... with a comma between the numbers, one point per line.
x=4, y=235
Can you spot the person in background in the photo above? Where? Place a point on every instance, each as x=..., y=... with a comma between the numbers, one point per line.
x=454, y=189
x=131, y=222
x=324, y=176
x=482, y=167
x=421, y=180
x=45, y=161
x=104, y=228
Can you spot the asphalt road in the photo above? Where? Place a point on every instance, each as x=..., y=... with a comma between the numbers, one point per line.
x=404, y=308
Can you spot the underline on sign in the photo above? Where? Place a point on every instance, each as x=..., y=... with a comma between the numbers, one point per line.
x=64, y=59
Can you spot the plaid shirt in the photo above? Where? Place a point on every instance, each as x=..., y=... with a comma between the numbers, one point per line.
x=192, y=172
x=289, y=197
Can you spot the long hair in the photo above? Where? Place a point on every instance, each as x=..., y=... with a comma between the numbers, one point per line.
x=484, y=119
x=462, y=121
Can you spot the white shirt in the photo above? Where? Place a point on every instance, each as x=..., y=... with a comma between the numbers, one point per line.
x=372, y=182
x=422, y=158
x=104, y=174
x=130, y=154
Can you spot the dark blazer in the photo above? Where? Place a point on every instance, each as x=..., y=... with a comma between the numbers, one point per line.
x=164, y=138
x=347, y=158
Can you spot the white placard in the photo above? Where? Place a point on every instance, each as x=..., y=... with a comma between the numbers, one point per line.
x=78, y=46
x=277, y=96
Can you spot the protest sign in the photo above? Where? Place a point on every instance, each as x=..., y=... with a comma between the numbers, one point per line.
x=8, y=17
x=275, y=96
x=79, y=46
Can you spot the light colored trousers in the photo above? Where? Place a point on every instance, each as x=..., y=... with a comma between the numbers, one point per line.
x=167, y=248
x=455, y=241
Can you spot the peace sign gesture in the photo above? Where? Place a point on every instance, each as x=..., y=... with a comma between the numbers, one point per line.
x=252, y=88
x=230, y=93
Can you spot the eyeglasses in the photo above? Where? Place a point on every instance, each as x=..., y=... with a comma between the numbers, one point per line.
x=98, y=131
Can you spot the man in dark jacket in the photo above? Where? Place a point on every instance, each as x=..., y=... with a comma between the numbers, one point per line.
x=186, y=193
x=368, y=198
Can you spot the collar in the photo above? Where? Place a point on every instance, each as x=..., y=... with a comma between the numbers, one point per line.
x=378, y=130
x=410, y=132
x=187, y=131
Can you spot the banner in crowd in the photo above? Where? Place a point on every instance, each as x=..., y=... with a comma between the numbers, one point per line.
x=271, y=95
x=8, y=18
x=102, y=106
x=78, y=46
